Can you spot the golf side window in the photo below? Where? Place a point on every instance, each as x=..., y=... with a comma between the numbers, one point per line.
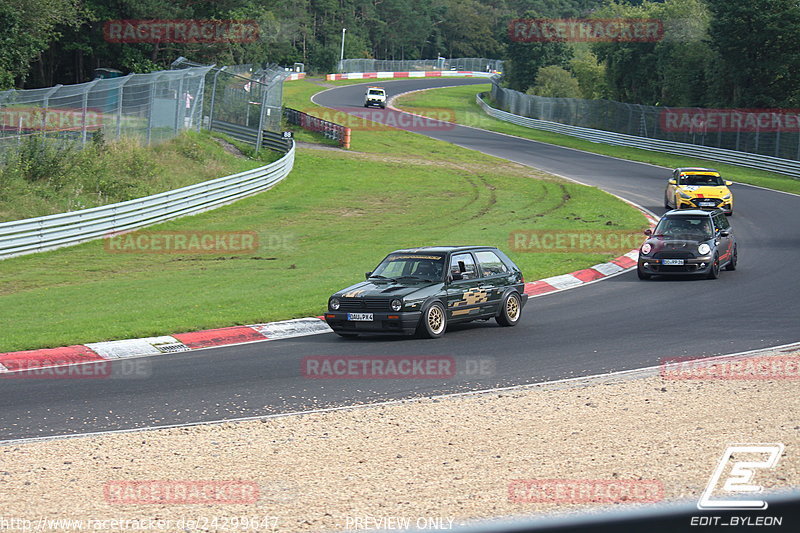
x=463, y=264
x=491, y=265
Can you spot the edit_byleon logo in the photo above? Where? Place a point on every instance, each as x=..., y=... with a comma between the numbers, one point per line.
x=742, y=462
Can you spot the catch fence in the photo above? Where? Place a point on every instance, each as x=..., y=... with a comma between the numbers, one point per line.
x=774, y=133
x=475, y=64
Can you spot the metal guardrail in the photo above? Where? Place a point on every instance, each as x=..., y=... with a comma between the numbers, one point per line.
x=331, y=130
x=269, y=139
x=21, y=237
x=788, y=167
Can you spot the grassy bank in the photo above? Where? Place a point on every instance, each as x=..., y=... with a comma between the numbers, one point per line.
x=41, y=177
x=367, y=136
x=461, y=100
x=332, y=219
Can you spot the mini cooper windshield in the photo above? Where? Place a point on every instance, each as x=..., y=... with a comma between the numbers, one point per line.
x=411, y=267
x=685, y=228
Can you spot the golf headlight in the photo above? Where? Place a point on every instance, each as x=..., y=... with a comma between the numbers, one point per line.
x=703, y=249
x=334, y=304
x=684, y=195
x=396, y=304
x=646, y=248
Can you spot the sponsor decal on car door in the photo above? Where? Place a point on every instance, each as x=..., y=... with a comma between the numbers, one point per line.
x=495, y=278
x=465, y=296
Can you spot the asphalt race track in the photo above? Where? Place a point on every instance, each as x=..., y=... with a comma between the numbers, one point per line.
x=618, y=324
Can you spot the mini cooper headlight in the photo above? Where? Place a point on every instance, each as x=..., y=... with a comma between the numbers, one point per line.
x=683, y=195
x=334, y=304
x=646, y=248
x=396, y=304
x=703, y=249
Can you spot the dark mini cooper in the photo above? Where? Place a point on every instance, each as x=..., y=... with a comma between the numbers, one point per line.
x=421, y=290
x=689, y=241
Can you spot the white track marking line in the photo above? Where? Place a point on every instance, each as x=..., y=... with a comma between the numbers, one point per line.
x=636, y=373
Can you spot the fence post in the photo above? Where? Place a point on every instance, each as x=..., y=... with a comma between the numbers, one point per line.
x=739, y=131
x=260, y=136
x=150, y=107
x=758, y=130
x=213, y=96
x=46, y=106
x=798, y=147
x=180, y=107
x=201, y=94
x=121, y=91
x=85, y=105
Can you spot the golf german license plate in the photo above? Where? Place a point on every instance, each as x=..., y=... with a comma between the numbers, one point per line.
x=359, y=317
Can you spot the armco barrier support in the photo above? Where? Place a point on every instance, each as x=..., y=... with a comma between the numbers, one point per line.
x=308, y=122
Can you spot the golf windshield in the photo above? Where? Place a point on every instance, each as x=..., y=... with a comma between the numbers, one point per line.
x=411, y=266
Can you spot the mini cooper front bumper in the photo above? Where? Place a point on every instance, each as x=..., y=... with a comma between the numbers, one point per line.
x=695, y=265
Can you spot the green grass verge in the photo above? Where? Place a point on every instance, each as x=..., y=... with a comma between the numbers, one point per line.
x=461, y=100
x=42, y=177
x=369, y=136
x=334, y=218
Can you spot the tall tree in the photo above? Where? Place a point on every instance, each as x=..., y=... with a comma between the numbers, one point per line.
x=555, y=82
x=28, y=26
x=758, y=43
x=668, y=71
x=525, y=59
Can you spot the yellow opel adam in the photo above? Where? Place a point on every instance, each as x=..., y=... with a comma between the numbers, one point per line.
x=695, y=187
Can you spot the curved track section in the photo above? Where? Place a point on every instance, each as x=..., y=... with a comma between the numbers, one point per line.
x=618, y=324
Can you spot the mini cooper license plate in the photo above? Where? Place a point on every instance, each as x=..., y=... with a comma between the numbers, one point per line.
x=672, y=262
x=359, y=317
